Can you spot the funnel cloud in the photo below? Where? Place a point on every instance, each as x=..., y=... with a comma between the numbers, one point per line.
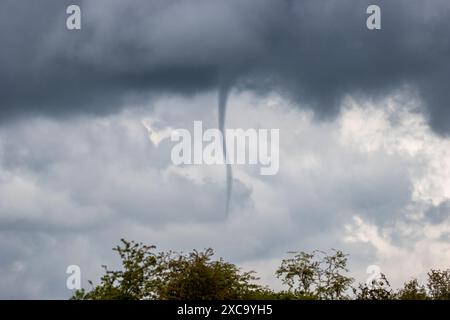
x=86, y=116
x=313, y=54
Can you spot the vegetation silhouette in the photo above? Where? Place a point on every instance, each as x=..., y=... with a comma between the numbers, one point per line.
x=147, y=274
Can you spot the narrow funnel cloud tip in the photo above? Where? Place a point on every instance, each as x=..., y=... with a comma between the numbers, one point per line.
x=224, y=89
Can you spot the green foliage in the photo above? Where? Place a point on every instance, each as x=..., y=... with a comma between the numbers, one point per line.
x=169, y=275
x=412, y=290
x=316, y=275
x=137, y=280
x=147, y=274
x=439, y=284
x=379, y=289
x=196, y=277
x=267, y=294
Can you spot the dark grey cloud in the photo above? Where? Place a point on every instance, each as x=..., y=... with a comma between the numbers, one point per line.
x=313, y=52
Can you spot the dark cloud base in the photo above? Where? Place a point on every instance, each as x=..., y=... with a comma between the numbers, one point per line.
x=314, y=52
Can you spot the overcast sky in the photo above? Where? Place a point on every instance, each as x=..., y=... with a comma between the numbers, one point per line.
x=364, y=119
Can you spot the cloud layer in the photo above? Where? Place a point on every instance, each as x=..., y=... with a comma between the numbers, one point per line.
x=363, y=118
x=374, y=183
x=312, y=53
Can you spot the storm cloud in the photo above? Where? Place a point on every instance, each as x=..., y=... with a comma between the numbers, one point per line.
x=78, y=170
x=314, y=54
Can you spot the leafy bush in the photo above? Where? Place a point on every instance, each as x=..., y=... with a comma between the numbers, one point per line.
x=147, y=274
